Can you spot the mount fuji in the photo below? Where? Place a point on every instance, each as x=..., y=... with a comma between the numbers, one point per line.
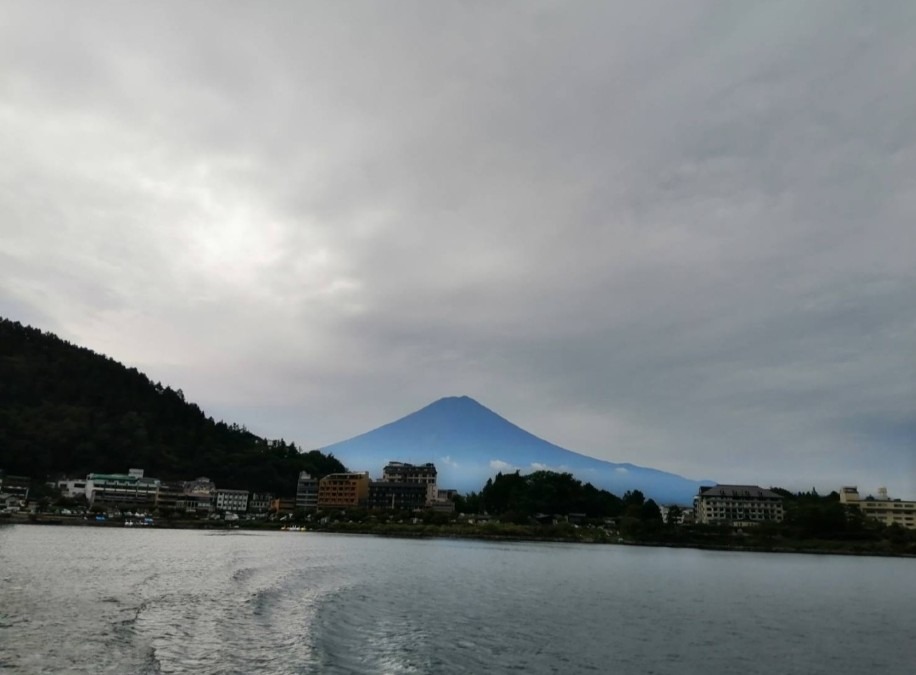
x=469, y=443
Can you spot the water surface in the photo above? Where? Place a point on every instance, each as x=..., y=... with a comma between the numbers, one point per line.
x=100, y=600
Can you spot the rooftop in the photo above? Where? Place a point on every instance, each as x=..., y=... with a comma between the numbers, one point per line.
x=738, y=491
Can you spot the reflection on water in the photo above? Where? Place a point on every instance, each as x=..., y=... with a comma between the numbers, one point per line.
x=93, y=600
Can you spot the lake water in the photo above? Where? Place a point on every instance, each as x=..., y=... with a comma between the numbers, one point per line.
x=97, y=600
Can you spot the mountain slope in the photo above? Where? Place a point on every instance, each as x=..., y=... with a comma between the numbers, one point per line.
x=469, y=443
x=66, y=409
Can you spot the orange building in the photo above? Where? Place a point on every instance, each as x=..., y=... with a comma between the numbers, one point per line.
x=282, y=505
x=343, y=490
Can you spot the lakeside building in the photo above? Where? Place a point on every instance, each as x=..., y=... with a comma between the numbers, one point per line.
x=882, y=508
x=119, y=489
x=283, y=505
x=17, y=486
x=260, y=502
x=234, y=501
x=445, y=501
x=446, y=494
x=685, y=517
x=737, y=505
x=200, y=494
x=343, y=490
x=10, y=502
x=173, y=497
x=396, y=496
x=72, y=487
x=422, y=474
x=306, y=491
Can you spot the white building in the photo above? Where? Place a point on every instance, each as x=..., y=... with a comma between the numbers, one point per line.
x=119, y=489
x=737, y=505
x=234, y=501
x=72, y=487
x=883, y=508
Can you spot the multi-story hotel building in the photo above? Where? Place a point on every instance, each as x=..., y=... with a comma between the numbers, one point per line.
x=118, y=489
x=423, y=474
x=233, y=501
x=343, y=490
x=260, y=502
x=201, y=494
x=737, y=505
x=396, y=496
x=172, y=497
x=888, y=511
x=306, y=491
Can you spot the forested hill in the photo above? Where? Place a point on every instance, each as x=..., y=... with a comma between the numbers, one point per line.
x=67, y=410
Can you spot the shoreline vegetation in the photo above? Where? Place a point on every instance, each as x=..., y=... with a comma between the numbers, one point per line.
x=700, y=538
x=67, y=411
x=542, y=506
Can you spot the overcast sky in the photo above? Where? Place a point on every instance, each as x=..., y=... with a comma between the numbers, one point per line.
x=679, y=234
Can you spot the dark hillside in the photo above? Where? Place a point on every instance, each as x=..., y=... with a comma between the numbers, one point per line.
x=66, y=409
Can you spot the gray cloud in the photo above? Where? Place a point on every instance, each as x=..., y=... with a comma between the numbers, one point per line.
x=673, y=234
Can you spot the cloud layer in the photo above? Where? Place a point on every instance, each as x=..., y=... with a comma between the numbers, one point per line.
x=677, y=234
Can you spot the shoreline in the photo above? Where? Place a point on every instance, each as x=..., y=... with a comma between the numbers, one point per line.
x=424, y=532
x=644, y=544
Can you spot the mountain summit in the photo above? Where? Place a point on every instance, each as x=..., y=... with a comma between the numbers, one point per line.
x=469, y=443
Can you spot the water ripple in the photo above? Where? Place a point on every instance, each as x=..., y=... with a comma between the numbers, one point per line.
x=86, y=600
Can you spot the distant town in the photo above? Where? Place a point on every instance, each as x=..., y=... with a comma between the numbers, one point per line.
x=403, y=488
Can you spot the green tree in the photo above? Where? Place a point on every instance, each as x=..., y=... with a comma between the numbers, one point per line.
x=469, y=503
x=674, y=515
x=546, y=492
x=633, y=498
x=650, y=511
x=67, y=410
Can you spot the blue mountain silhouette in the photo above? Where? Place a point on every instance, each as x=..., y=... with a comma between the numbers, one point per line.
x=470, y=443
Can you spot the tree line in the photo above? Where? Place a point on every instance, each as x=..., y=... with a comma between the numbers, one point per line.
x=550, y=492
x=67, y=410
x=809, y=516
